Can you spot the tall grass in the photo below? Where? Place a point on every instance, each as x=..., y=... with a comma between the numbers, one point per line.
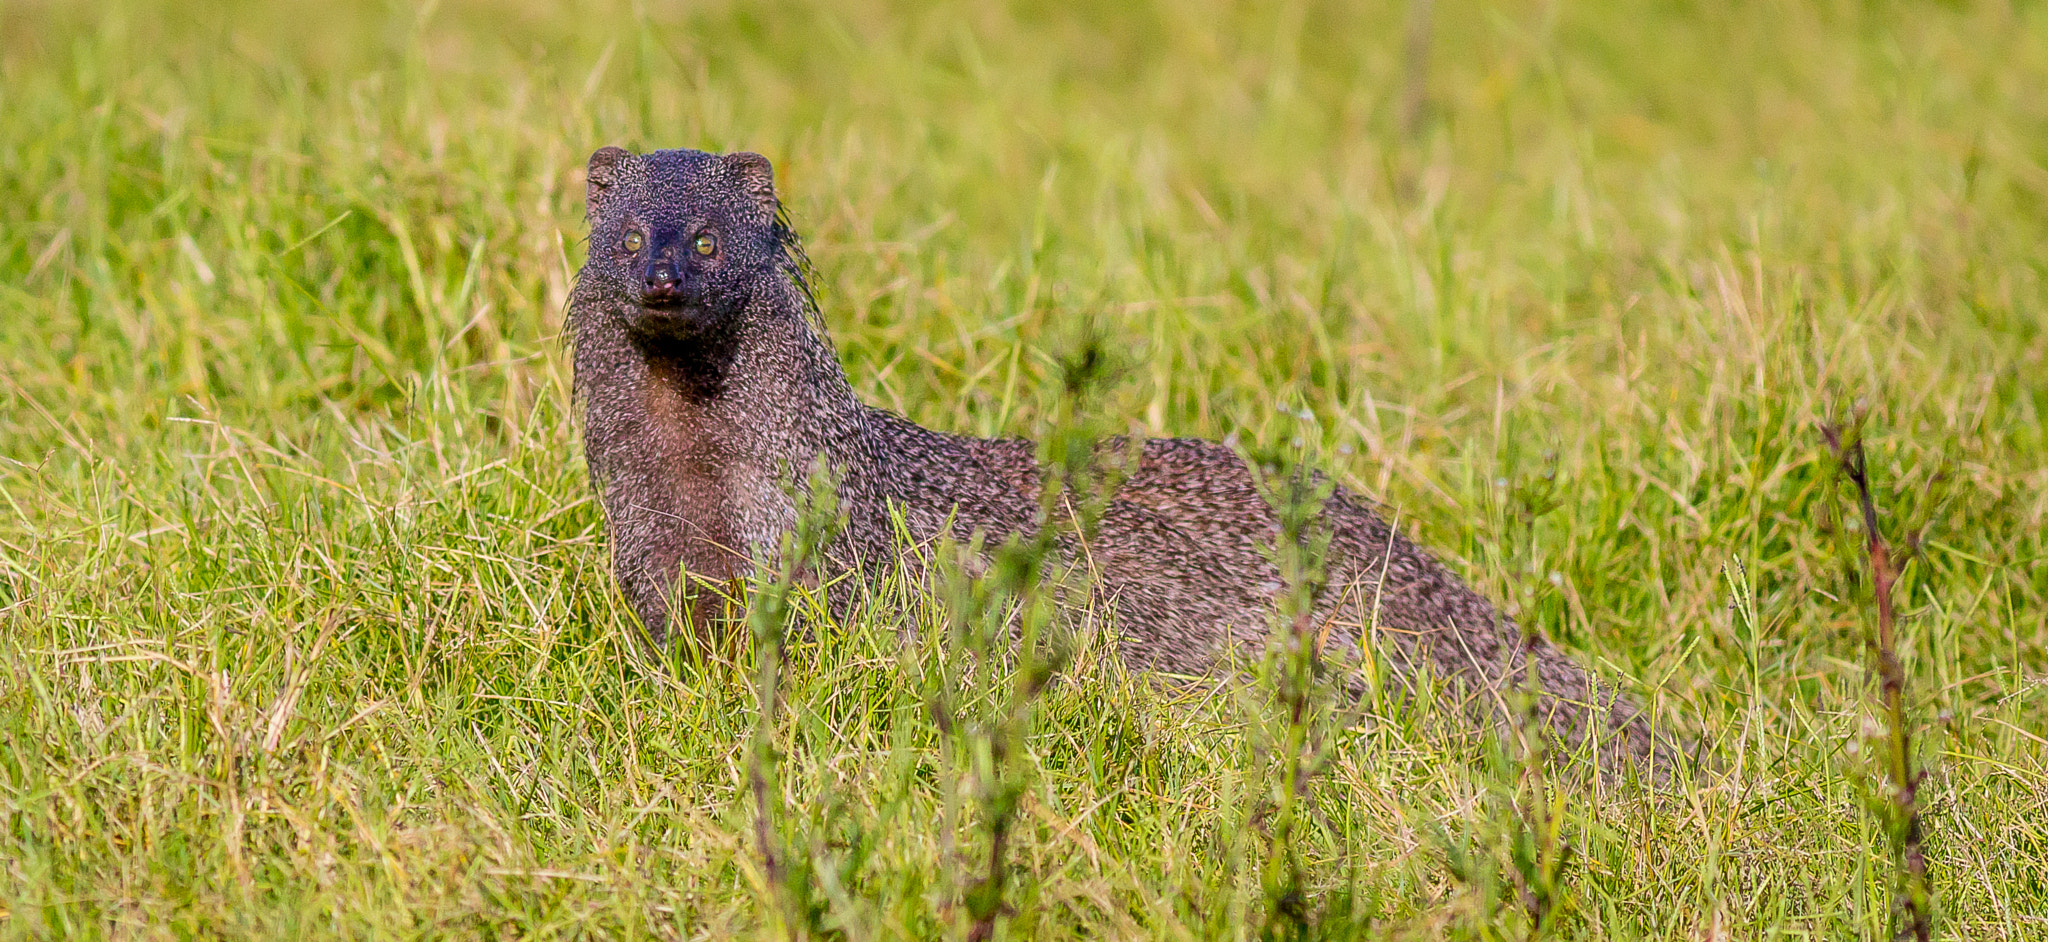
x=305, y=621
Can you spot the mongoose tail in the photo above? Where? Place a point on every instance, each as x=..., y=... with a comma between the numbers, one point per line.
x=710, y=390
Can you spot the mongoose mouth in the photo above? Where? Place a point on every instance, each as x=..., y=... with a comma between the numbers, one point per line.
x=663, y=301
x=670, y=316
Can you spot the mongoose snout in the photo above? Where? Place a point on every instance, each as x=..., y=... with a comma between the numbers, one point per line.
x=662, y=286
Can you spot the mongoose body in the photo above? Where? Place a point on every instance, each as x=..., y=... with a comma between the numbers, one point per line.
x=710, y=388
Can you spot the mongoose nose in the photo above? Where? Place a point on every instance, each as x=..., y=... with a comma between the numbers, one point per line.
x=662, y=282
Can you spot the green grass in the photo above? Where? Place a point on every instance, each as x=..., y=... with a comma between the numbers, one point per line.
x=305, y=622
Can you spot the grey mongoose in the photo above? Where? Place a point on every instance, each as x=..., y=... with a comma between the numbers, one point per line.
x=710, y=389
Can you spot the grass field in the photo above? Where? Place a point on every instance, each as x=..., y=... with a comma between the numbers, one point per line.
x=305, y=622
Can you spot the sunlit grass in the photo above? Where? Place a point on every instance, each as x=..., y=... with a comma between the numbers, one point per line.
x=305, y=622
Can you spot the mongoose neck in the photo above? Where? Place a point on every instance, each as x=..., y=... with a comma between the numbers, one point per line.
x=766, y=383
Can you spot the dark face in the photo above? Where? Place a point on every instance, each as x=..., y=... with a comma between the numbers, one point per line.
x=685, y=237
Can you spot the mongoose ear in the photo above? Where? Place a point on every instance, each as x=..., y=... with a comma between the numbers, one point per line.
x=755, y=177
x=604, y=173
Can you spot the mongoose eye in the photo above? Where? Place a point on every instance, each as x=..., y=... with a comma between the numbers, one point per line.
x=706, y=243
x=633, y=241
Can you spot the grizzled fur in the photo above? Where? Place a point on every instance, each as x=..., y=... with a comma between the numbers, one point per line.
x=710, y=388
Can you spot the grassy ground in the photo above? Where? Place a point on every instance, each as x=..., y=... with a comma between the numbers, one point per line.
x=305, y=626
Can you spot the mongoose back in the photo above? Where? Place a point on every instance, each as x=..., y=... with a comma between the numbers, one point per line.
x=709, y=389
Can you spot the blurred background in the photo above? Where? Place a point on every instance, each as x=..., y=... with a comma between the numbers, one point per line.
x=273, y=206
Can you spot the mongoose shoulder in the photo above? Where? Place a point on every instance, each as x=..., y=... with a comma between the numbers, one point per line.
x=709, y=386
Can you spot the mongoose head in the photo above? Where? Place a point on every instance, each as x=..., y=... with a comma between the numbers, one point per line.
x=684, y=238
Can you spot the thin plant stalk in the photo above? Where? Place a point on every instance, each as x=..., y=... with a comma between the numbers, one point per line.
x=1913, y=897
x=1295, y=669
x=1080, y=477
x=768, y=624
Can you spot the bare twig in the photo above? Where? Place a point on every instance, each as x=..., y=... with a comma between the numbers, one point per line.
x=1912, y=903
